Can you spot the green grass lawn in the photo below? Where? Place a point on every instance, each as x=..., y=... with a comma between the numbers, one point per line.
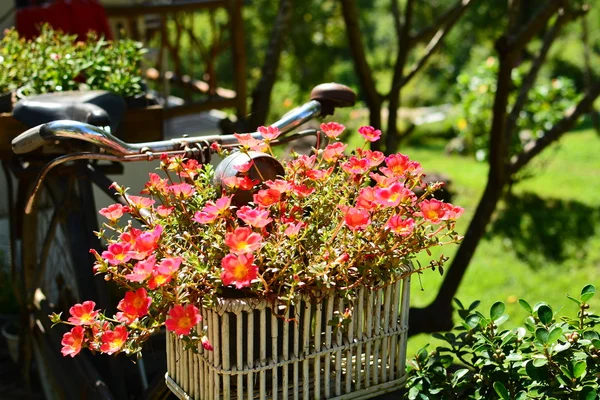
x=545, y=241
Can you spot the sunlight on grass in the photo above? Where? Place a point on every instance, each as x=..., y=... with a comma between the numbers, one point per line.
x=517, y=261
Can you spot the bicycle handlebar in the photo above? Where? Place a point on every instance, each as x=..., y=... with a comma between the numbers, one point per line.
x=324, y=98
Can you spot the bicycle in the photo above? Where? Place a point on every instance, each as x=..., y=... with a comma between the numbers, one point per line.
x=60, y=216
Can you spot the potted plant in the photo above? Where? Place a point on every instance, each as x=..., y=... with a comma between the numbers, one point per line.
x=57, y=62
x=268, y=284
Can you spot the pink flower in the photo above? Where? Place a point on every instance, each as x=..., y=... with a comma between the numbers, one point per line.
x=280, y=185
x=332, y=129
x=356, y=166
x=140, y=202
x=375, y=157
x=142, y=270
x=117, y=253
x=239, y=270
x=72, y=342
x=83, y=314
x=399, y=164
x=267, y=198
x=452, y=212
x=146, y=243
x=182, y=319
x=366, y=199
x=302, y=190
x=399, y=226
x=393, y=195
x=292, y=229
x=244, y=167
x=212, y=211
x=319, y=174
x=112, y=212
x=206, y=343
x=356, y=218
x=242, y=240
x=432, y=210
x=163, y=211
x=248, y=142
x=268, y=132
x=254, y=217
x=333, y=151
x=113, y=341
x=155, y=184
x=135, y=304
x=369, y=133
x=169, y=265
x=383, y=181
x=182, y=190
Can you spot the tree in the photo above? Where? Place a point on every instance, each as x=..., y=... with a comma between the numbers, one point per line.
x=408, y=39
x=549, y=18
x=261, y=95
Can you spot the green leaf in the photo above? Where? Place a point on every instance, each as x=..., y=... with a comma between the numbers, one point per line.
x=591, y=335
x=579, y=368
x=545, y=314
x=474, y=305
x=587, y=293
x=521, y=396
x=526, y=306
x=555, y=334
x=458, y=375
x=540, y=362
x=596, y=343
x=502, y=319
x=573, y=299
x=566, y=371
x=542, y=335
x=458, y=303
x=473, y=320
x=497, y=310
x=501, y=390
x=588, y=393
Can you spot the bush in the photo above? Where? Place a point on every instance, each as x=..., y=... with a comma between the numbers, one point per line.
x=546, y=358
x=55, y=62
x=547, y=101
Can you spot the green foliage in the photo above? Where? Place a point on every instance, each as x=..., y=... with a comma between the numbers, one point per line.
x=55, y=62
x=546, y=104
x=547, y=358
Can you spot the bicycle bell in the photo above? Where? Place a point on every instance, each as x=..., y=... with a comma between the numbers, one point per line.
x=265, y=168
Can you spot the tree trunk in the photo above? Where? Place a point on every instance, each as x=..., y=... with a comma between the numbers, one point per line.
x=261, y=96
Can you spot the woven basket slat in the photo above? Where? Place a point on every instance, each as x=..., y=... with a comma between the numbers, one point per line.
x=250, y=359
x=225, y=355
x=285, y=352
x=274, y=356
x=318, y=341
x=349, y=353
x=328, y=331
x=297, y=353
x=263, y=352
x=306, y=339
x=369, y=334
x=239, y=318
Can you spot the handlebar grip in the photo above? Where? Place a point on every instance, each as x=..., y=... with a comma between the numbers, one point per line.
x=28, y=141
x=332, y=95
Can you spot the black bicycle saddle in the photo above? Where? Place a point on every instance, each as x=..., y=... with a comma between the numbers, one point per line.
x=95, y=107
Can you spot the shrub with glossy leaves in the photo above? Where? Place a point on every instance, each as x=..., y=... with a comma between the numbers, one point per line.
x=547, y=358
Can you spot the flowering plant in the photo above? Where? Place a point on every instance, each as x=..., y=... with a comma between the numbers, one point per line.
x=332, y=223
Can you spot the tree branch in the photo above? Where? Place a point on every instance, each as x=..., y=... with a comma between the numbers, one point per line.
x=534, y=25
x=534, y=148
x=261, y=96
x=532, y=75
x=427, y=33
x=357, y=50
x=563, y=18
x=434, y=43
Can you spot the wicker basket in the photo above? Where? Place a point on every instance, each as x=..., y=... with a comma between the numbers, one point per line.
x=258, y=355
